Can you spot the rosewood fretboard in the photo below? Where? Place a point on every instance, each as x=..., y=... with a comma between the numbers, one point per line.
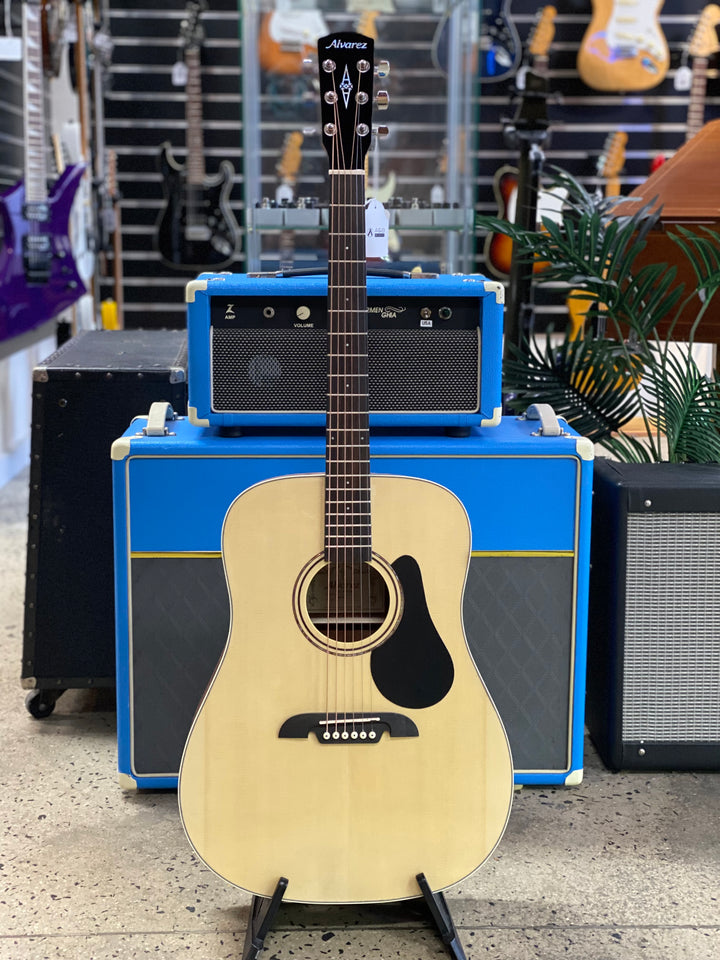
x=347, y=460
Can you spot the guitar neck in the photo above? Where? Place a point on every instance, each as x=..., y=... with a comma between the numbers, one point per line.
x=34, y=103
x=347, y=459
x=195, y=164
x=696, y=104
x=540, y=64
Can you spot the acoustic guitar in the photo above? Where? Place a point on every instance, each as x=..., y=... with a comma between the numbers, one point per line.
x=346, y=741
x=624, y=47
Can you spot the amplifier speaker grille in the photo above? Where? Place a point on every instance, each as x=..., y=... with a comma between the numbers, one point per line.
x=671, y=680
x=259, y=370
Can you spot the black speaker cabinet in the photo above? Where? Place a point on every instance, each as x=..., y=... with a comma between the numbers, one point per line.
x=653, y=694
x=83, y=396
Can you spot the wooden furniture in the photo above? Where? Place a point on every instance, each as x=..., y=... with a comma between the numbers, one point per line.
x=688, y=188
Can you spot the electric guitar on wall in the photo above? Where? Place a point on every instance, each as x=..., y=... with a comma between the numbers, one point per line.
x=624, y=47
x=196, y=229
x=500, y=46
x=346, y=741
x=703, y=44
x=498, y=246
x=38, y=275
x=287, y=169
x=609, y=165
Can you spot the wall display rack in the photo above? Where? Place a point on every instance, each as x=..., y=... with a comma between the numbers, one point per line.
x=422, y=171
x=143, y=109
x=583, y=119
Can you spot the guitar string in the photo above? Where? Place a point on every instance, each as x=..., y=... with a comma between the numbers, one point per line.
x=351, y=605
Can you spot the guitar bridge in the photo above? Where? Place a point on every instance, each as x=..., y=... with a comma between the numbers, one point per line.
x=347, y=727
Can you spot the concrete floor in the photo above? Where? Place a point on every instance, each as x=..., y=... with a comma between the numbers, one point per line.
x=623, y=866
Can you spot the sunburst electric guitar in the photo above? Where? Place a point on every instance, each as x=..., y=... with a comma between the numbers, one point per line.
x=498, y=246
x=346, y=741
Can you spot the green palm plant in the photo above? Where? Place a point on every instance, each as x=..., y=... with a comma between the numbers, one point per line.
x=619, y=368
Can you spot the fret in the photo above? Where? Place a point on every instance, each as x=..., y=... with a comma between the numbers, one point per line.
x=362, y=526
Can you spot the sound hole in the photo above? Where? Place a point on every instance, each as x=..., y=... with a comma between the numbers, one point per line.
x=347, y=603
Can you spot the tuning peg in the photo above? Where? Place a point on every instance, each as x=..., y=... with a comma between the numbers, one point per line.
x=309, y=131
x=381, y=131
x=382, y=100
x=308, y=65
x=382, y=69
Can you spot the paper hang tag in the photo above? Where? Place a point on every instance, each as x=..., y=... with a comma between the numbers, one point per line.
x=683, y=79
x=179, y=73
x=11, y=49
x=376, y=230
x=296, y=28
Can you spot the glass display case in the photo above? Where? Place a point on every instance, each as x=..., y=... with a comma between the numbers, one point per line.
x=422, y=171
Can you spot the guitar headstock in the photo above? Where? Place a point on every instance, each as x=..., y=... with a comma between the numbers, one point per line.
x=543, y=33
x=345, y=71
x=612, y=159
x=704, y=40
x=289, y=163
x=191, y=33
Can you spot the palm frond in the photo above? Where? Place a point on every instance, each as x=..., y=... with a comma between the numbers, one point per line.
x=600, y=384
x=587, y=381
x=684, y=404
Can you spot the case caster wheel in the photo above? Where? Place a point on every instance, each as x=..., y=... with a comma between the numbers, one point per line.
x=41, y=703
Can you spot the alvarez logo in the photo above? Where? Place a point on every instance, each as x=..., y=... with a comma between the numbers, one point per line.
x=346, y=45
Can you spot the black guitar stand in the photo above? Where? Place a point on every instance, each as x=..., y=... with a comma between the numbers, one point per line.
x=527, y=132
x=264, y=910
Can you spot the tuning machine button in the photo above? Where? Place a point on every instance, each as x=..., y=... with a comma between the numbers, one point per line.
x=381, y=131
x=382, y=69
x=382, y=100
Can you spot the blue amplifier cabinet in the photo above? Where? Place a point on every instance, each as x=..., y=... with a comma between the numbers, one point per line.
x=525, y=608
x=257, y=350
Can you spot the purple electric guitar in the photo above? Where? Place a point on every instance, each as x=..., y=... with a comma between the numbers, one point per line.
x=38, y=276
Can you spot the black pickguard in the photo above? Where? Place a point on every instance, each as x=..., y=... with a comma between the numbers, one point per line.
x=413, y=668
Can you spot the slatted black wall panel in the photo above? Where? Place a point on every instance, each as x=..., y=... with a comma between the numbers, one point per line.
x=142, y=110
x=582, y=118
x=11, y=108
